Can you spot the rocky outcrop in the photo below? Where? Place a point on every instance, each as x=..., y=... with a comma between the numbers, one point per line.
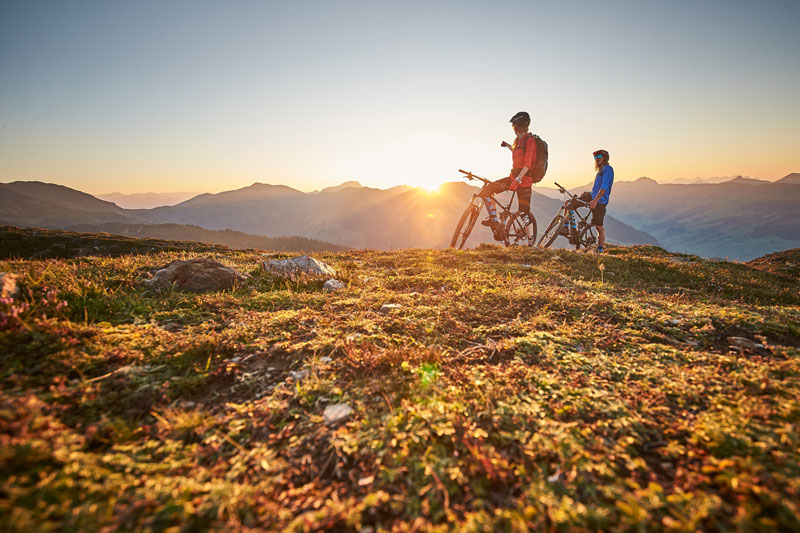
x=196, y=275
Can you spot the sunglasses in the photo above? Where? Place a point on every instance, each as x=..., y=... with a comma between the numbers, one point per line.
x=599, y=156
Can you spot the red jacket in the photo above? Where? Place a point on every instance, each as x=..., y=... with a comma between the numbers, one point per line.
x=523, y=155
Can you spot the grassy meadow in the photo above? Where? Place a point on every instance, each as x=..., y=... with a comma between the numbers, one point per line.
x=510, y=389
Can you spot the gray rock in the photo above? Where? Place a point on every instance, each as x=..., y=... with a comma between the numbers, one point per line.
x=388, y=308
x=196, y=275
x=336, y=414
x=333, y=285
x=299, y=265
x=299, y=374
x=742, y=343
x=8, y=285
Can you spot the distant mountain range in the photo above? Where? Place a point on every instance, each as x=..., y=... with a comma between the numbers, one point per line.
x=146, y=200
x=348, y=215
x=740, y=218
x=362, y=217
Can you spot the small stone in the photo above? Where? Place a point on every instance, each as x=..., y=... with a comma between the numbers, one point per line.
x=300, y=374
x=332, y=285
x=388, y=308
x=336, y=414
x=742, y=343
x=8, y=285
x=325, y=359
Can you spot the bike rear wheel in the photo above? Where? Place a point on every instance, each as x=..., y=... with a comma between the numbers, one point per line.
x=515, y=231
x=464, y=227
x=551, y=233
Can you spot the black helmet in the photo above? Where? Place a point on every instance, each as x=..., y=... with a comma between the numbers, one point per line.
x=604, y=153
x=522, y=118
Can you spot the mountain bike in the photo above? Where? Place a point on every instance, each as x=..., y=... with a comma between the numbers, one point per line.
x=571, y=221
x=513, y=227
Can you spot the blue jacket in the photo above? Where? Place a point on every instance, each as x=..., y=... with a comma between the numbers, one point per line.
x=603, y=180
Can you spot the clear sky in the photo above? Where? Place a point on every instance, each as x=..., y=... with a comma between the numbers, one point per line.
x=138, y=96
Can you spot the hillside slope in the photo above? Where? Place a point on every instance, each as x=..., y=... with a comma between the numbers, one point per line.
x=507, y=389
x=37, y=243
x=232, y=239
x=33, y=203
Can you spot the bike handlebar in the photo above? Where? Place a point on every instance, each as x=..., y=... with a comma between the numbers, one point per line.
x=562, y=190
x=472, y=176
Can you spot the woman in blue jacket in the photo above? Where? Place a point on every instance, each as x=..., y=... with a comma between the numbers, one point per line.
x=603, y=181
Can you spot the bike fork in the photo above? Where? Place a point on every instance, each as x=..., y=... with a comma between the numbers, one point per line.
x=570, y=227
x=492, y=209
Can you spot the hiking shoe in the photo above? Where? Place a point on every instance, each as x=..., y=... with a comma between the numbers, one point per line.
x=487, y=222
x=600, y=250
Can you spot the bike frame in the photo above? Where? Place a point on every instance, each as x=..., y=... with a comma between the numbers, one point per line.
x=480, y=201
x=514, y=230
x=566, y=210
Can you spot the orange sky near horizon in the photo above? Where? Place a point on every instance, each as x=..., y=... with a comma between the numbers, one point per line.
x=200, y=96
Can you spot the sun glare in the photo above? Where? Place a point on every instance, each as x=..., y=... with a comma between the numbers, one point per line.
x=425, y=162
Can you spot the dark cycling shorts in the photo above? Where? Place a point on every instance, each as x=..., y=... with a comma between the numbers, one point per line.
x=598, y=214
x=523, y=193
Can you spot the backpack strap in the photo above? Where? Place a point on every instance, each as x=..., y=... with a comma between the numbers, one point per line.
x=524, y=141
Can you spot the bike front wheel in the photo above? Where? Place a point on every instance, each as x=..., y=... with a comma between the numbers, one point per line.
x=551, y=233
x=587, y=238
x=515, y=231
x=464, y=227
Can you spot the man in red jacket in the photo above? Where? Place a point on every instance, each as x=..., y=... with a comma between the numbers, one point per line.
x=523, y=154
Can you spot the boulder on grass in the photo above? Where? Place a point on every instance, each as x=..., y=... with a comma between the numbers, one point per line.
x=299, y=265
x=196, y=275
x=8, y=285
